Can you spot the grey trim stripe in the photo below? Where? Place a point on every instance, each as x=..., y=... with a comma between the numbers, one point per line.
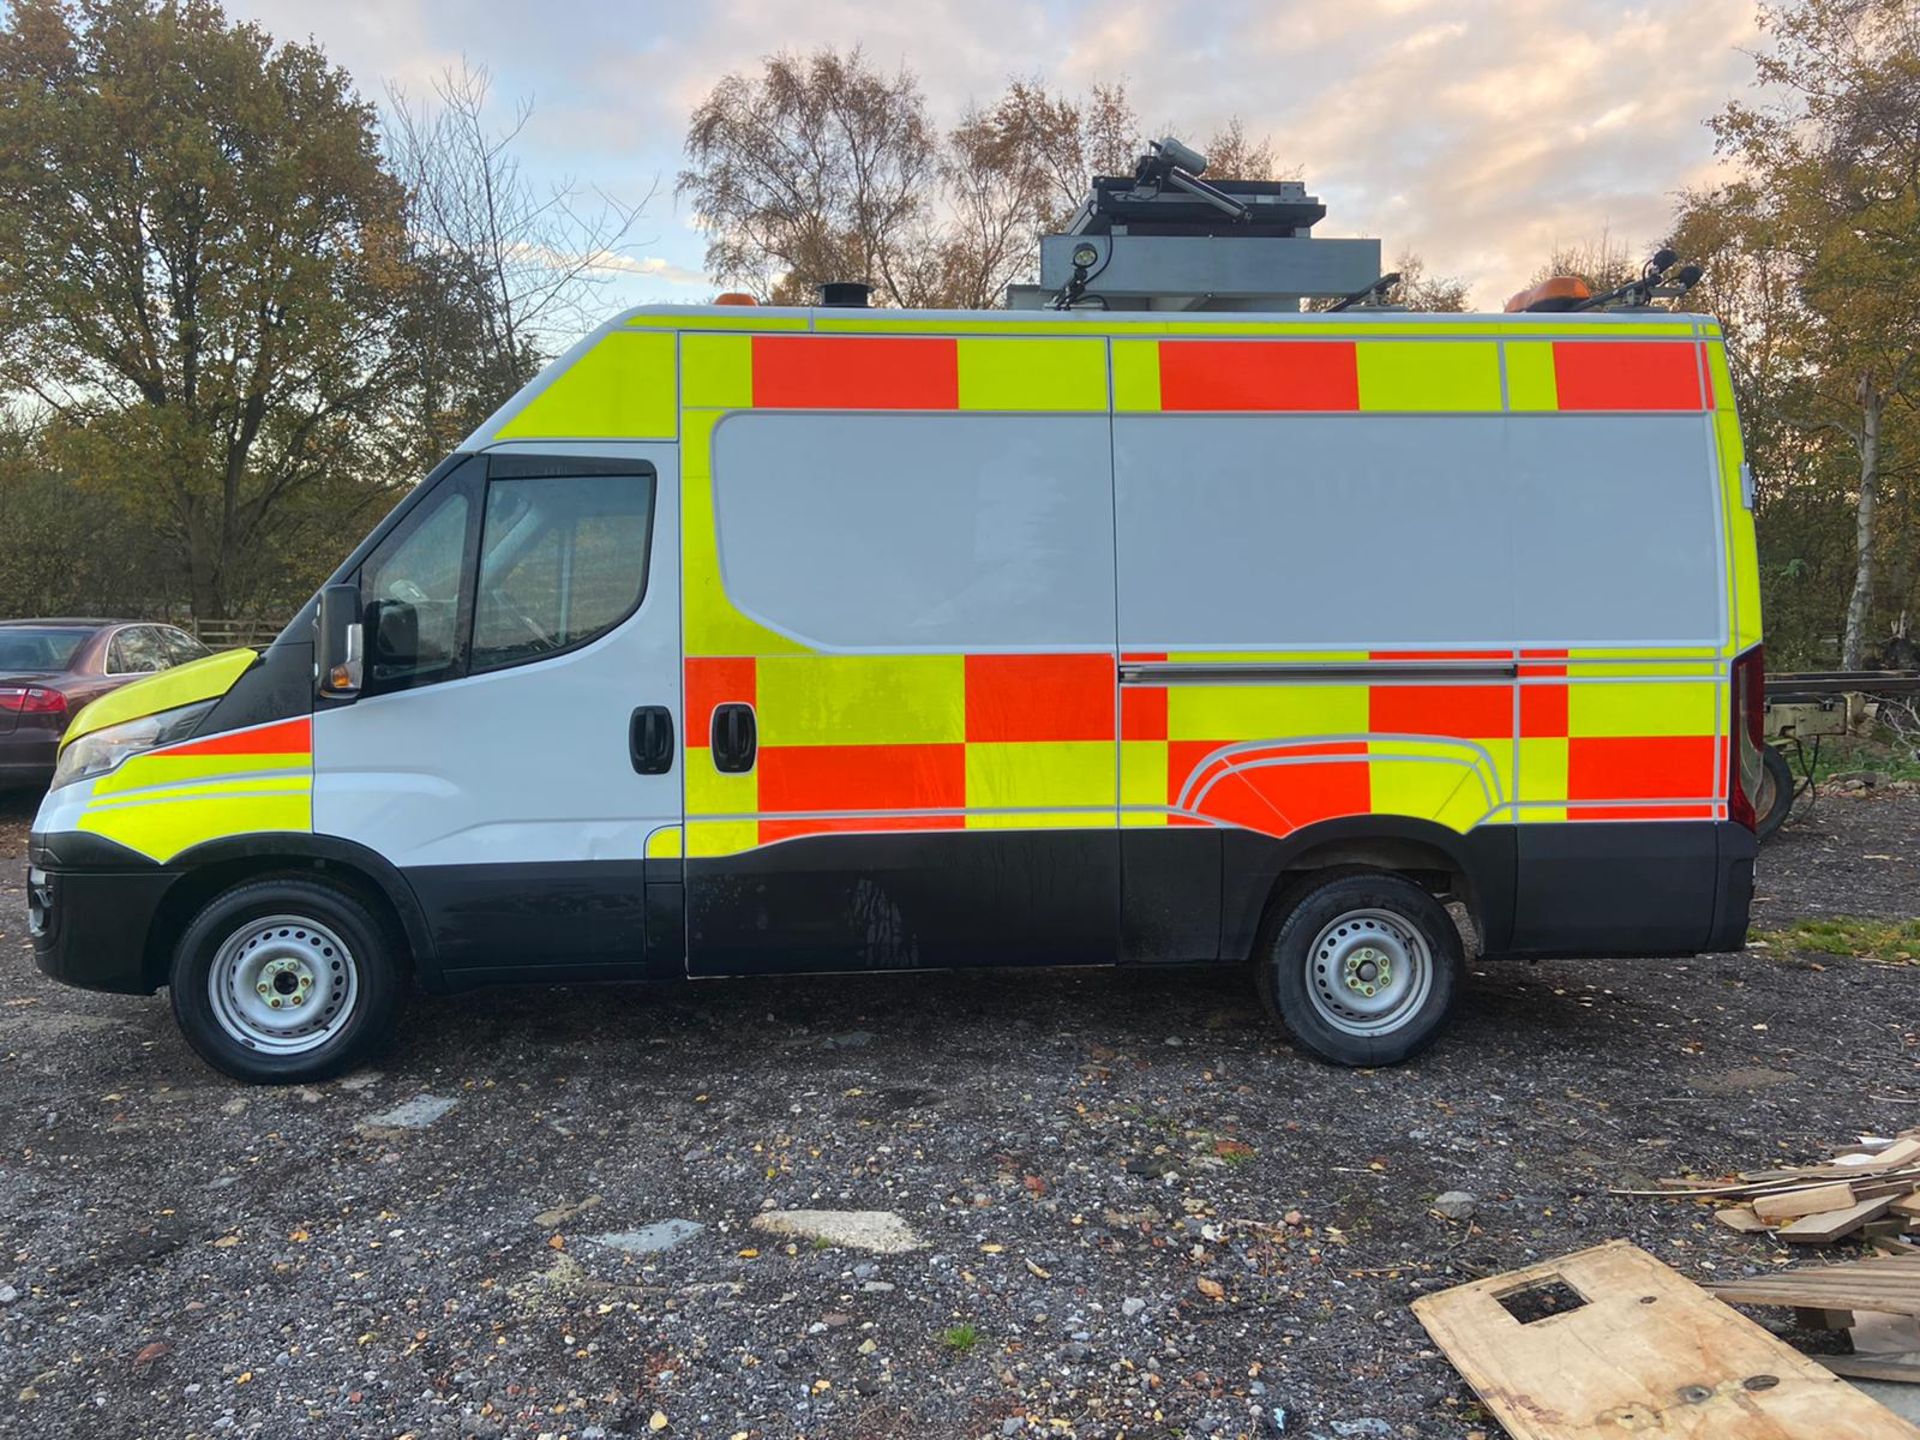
x=1263, y=673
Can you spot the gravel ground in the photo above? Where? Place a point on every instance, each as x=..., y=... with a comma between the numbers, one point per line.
x=1142, y=1211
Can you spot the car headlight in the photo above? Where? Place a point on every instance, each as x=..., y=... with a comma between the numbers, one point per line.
x=104, y=750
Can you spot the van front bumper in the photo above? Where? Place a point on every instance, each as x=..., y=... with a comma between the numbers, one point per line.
x=89, y=927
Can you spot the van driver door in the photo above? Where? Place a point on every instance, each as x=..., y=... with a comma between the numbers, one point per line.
x=519, y=734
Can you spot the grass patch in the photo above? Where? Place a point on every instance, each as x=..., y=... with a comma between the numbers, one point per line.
x=961, y=1339
x=1889, y=942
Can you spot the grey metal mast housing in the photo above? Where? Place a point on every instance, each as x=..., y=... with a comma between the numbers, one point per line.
x=1163, y=239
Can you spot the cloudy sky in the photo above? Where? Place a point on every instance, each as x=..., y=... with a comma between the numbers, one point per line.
x=1480, y=132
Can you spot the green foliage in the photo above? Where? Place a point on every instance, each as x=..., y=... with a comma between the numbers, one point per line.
x=201, y=256
x=1812, y=256
x=961, y=1339
x=1889, y=942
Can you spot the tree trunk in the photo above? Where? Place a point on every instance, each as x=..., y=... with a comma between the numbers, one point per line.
x=1860, y=603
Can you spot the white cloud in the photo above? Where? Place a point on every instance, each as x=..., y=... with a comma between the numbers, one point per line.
x=1479, y=132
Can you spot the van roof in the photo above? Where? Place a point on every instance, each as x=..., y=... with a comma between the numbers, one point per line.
x=1145, y=325
x=813, y=317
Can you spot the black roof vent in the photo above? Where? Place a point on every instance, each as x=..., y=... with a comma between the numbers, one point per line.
x=845, y=294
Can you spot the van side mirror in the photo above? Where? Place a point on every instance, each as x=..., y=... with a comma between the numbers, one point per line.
x=340, y=645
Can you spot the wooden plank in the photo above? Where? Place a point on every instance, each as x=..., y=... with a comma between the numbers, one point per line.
x=1647, y=1353
x=1742, y=1219
x=1873, y=1367
x=1881, y=1285
x=1907, y=1205
x=1792, y=1206
x=1834, y=1224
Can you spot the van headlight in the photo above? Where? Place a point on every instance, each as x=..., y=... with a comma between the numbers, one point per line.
x=104, y=750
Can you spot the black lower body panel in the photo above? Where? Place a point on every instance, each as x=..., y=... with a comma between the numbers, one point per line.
x=538, y=920
x=901, y=901
x=1665, y=887
x=90, y=928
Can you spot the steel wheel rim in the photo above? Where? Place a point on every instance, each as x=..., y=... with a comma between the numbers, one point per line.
x=1368, y=972
x=282, y=985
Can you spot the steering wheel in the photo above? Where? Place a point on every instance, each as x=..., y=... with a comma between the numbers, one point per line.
x=541, y=639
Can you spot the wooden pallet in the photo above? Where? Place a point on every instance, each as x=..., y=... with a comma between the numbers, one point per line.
x=1648, y=1352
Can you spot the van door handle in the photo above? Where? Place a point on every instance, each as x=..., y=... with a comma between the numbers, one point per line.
x=650, y=740
x=735, y=739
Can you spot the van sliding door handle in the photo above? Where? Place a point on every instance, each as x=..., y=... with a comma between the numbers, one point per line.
x=735, y=739
x=650, y=740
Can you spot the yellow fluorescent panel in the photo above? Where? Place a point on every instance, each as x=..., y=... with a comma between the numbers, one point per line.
x=207, y=678
x=1033, y=374
x=1423, y=789
x=143, y=771
x=1136, y=375
x=716, y=370
x=1683, y=707
x=710, y=792
x=1721, y=377
x=1417, y=375
x=664, y=844
x=164, y=828
x=863, y=700
x=1543, y=769
x=1055, y=772
x=1259, y=712
x=1530, y=377
x=623, y=388
x=721, y=837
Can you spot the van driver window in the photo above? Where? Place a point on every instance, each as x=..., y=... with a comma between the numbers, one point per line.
x=562, y=561
x=414, y=579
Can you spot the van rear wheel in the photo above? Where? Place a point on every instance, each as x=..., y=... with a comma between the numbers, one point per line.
x=285, y=979
x=1361, y=969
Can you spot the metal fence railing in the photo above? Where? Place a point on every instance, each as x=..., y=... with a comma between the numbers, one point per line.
x=230, y=634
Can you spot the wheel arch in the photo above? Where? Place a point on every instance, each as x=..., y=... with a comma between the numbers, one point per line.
x=1477, y=868
x=218, y=865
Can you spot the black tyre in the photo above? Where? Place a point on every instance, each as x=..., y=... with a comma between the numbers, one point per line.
x=1361, y=968
x=285, y=979
x=1775, y=800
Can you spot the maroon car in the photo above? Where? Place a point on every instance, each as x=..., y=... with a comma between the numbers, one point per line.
x=50, y=668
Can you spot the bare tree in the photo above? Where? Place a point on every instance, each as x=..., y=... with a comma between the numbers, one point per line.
x=1421, y=291
x=523, y=259
x=821, y=168
x=1232, y=155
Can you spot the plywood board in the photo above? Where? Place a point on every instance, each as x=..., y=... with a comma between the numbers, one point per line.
x=1648, y=1352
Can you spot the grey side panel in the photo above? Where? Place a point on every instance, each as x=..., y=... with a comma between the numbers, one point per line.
x=1332, y=531
x=918, y=533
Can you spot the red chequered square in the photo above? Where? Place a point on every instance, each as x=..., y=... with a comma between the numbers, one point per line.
x=1627, y=374
x=1259, y=375
x=712, y=682
x=813, y=372
x=1543, y=711
x=1039, y=697
x=1471, y=712
x=1143, y=712
x=1663, y=767
x=862, y=777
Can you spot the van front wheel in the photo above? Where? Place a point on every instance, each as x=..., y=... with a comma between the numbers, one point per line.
x=1361, y=969
x=285, y=979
